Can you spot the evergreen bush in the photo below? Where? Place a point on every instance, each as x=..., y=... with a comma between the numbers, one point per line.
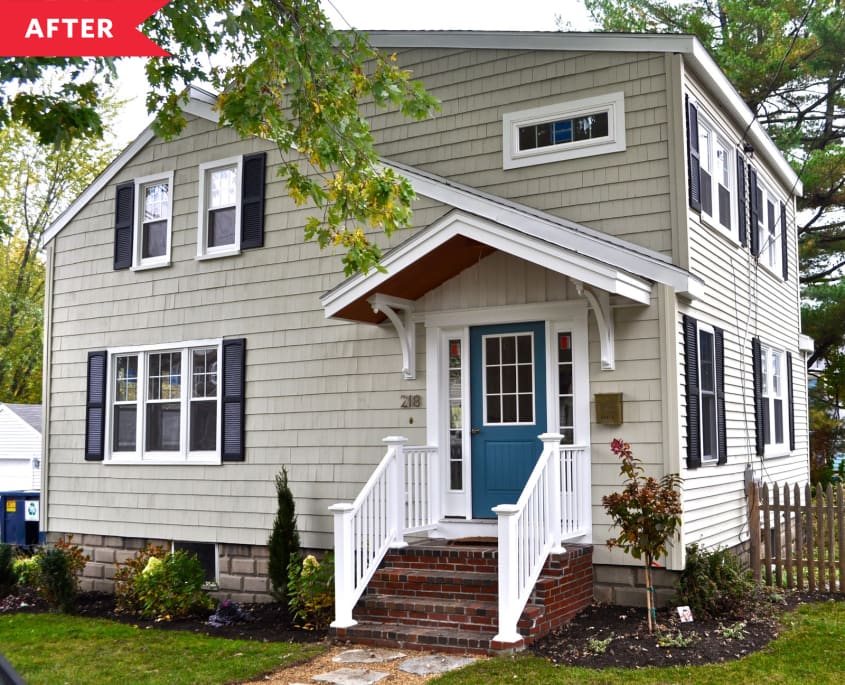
x=8, y=578
x=714, y=583
x=283, y=543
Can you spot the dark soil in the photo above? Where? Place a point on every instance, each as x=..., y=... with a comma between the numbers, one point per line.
x=267, y=622
x=606, y=636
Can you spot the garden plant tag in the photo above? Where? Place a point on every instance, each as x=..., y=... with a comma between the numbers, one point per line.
x=685, y=614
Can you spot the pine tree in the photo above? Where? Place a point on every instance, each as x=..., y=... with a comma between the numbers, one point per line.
x=284, y=540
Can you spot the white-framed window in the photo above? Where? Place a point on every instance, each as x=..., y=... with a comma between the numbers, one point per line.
x=775, y=426
x=708, y=406
x=768, y=228
x=164, y=403
x=152, y=220
x=457, y=415
x=718, y=178
x=581, y=128
x=219, y=217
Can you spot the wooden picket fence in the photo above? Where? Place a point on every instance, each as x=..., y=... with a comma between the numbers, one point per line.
x=797, y=538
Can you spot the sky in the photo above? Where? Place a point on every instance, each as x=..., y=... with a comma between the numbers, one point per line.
x=479, y=15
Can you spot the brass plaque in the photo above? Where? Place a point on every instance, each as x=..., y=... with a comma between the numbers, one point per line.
x=609, y=408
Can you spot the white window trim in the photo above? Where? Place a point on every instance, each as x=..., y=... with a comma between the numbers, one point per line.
x=612, y=103
x=138, y=262
x=775, y=449
x=707, y=459
x=184, y=456
x=712, y=219
x=203, y=251
x=762, y=227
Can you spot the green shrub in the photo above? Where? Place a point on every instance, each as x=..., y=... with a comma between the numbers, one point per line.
x=161, y=586
x=26, y=571
x=713, y=583
x=125, y=593
x=311, y=591
x=8, y=579
x=57, y=579
x=284, y=539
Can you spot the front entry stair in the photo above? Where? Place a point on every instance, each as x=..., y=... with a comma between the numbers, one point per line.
x=442, y=595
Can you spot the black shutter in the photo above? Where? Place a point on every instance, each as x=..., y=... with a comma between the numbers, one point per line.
x=124, y=210
x=234, y=374
x=95, y=407
x=759, y=418
x=755, y=211
x=791, y=401
x=693, y=157
x=784, y=248
x=252, y=200
x=693, y=399
x=722, y=426
x=741, y=204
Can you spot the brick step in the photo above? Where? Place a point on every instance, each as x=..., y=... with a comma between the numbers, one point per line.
x=419, y=638
x=451, y=558
x=425, y=582
x=468, y=615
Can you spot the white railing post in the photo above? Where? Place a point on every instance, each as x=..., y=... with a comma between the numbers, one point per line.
x=508, y=573
x=344, y=566
x=551, y=441
x=396, y=490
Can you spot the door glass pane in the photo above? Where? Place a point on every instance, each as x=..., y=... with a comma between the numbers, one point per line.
x=456, y=415
x=566, y=397
x=509, y=379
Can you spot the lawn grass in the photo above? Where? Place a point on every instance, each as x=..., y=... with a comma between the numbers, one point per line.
x=50, y=649
x=810, y=649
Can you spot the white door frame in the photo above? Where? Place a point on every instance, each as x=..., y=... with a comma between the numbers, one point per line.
x=441, y=327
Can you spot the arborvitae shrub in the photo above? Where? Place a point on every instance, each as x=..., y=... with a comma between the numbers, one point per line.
x=284, y=539
x=8, y=578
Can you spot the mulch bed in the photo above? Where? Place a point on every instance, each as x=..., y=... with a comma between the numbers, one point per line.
x=602, y=636
x=606, y=636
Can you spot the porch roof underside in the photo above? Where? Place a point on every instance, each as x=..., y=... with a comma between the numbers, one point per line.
x=482, y=224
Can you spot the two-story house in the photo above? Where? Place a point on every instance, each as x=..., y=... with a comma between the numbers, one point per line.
x=604, y=246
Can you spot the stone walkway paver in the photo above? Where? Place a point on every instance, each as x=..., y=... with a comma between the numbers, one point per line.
x=351, y=676
x=435, y=663
x=367, y=656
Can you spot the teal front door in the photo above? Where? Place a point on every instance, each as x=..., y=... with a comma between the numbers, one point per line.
x=507, y=410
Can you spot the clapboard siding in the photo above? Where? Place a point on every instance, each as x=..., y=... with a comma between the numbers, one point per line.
x=745, y=299
x=625, y=193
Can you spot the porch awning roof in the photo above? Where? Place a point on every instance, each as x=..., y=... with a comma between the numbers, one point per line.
x=481, y=224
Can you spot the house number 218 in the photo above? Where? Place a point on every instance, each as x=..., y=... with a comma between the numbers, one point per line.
x=410, y=401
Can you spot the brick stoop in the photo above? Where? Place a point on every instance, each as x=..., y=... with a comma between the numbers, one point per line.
x=443, y=595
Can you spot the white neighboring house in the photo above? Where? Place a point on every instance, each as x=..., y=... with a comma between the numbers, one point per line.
x=20, y=447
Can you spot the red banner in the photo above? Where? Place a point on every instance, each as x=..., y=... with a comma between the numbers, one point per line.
x=77, y=28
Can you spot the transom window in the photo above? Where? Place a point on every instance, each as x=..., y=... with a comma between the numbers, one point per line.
x=165, y=403
x=580, y=128
x=154, y=203
x=219, y=208
x=563, y=131
x=508, y=379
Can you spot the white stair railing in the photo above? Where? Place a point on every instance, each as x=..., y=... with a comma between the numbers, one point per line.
x=396, y=500
x=546, y=513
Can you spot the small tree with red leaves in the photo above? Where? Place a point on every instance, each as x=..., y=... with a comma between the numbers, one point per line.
x=648, y=512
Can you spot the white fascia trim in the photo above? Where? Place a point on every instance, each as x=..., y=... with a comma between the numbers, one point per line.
x=703, y=66
x=579, y=239
x=532, y=249
x=98, y=184
x=201, y=103
x=806, y=343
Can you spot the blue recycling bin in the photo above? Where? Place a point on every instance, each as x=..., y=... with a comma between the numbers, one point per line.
x=20, y=515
